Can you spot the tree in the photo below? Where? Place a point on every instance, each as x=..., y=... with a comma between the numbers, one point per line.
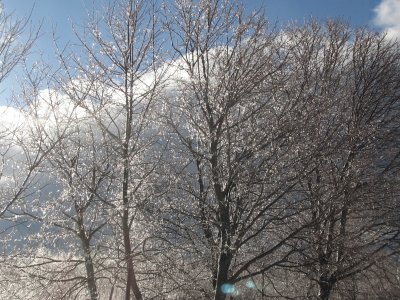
x=79, y=165
x=251, y=163
x=55, y=207
x=13, y=51
x=349, y=89
x=232, y=151
x=117, y=85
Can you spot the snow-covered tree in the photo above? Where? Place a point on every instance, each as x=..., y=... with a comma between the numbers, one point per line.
x=203, y=156
x=233, y=202
x=349, y=87
x=13, y=51
x=115, y=79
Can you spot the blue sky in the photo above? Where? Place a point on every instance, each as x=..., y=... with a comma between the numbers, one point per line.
x=357, y=12
x=60, y=14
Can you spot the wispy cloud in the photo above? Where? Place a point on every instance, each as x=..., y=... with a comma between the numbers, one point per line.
x=387, y=16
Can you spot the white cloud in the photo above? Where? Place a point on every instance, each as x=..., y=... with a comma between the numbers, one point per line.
x=10, y=118
x=388, y=17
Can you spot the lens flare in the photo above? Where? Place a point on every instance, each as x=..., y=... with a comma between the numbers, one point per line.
x=250, y=284
x=228, y=288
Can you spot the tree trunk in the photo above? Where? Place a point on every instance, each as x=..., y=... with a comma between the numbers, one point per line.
x=225, y=256
x=222, y=277
x=326, y=284
x=131, y=282
x=90, y=276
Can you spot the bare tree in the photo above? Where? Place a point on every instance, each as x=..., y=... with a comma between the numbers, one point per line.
x=13, y=50
x=233, y=138
x=348, y=84
x=253, y=163
x=79, y=167
x=48, y=118
x=117, y=84
x=16, y=40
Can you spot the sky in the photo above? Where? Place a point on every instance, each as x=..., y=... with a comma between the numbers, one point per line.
x=377, y=14
x=356, y=12
x=59, y=15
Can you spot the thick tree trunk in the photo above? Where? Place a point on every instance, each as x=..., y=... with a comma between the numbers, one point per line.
x=222, y=277
x=326, y=284
x=225, y=256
